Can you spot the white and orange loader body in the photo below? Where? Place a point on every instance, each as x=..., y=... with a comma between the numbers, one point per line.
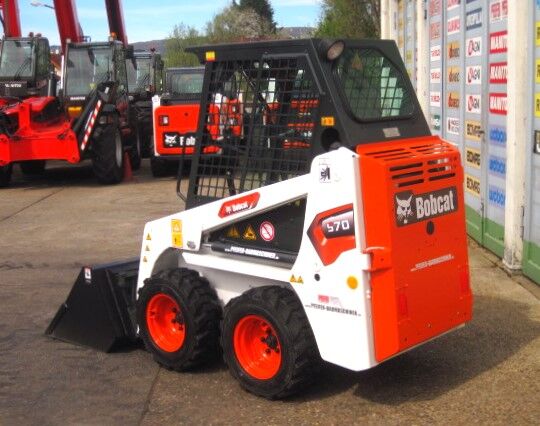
x=329, y=224
x=372, y=280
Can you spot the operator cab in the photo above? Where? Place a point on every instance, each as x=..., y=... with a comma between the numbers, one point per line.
x=182, y=85
x=272, y=106
x=87, y=65
x=145, y=74
x=25, y=64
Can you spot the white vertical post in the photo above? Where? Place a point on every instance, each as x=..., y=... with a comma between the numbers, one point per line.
x=422, y=57
x=518, y=127
x=385, y=19
x=389, y=19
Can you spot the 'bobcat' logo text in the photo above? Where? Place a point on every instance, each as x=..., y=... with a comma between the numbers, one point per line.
x=412, y=208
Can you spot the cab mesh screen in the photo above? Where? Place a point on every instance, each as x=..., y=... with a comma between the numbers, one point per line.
x=259, y=121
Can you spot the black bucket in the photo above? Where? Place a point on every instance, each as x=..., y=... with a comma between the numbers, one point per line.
x=100, y=309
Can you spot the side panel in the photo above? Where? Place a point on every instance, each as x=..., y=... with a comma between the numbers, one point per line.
x=437, y=60
x=453, y=27
x=531, y=246
x=475, y=113
x=494, y=176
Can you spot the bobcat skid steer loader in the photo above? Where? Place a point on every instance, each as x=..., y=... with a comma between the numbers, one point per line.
x=331, y=226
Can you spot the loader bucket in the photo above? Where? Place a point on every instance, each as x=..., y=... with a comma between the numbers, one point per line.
x=100, y=309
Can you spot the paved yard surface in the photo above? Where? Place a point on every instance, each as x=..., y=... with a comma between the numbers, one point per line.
x=485, y=373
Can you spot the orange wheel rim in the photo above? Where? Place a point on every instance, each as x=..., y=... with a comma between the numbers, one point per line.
x=165, y=322
x=257, y=347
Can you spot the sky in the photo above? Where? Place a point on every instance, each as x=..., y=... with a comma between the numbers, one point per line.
x=154, y=19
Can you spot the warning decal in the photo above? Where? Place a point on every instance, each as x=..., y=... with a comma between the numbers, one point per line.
x=176, y=233
x=249, y=234
x=233, y=232
x=267, y=231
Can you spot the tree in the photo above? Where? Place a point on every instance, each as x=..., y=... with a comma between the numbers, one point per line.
x=350, y=19
x=262, y=8
x=237, y=24
x=182, y=37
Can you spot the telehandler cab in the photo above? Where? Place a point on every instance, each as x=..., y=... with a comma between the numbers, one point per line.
x=89, y=120
x=145, y=75
x=331, y=225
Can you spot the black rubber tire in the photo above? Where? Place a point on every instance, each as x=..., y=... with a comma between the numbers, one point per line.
x=201, y=311
x=33, y=168
x=135, y=151
x=300, y=360
x=5, y=175
x=145, y=132
x=108, y=159
x=158, y=166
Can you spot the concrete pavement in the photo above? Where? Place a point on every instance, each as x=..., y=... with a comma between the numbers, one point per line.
x=486, y=372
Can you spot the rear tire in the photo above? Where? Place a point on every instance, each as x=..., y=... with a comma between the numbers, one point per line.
x=5, y=175
x=178, y=314
x=108, y=160
x=33, y=168
x=268, y=343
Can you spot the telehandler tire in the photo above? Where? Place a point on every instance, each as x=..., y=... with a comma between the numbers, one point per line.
x=5, y=175
x=33, y=168
x=178, y=314
x=268, y=343
x=108, y=160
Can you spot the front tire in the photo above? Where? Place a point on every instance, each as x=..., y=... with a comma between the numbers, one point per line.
x=108, y=160
x=178, y=314
x=268, y=343
x=5, y=175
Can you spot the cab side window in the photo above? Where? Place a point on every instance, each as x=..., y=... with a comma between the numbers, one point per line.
x=43, y=59
x=120, y=59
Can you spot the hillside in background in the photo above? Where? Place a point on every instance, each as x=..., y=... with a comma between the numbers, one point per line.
x=159, y=45
x=288, y=32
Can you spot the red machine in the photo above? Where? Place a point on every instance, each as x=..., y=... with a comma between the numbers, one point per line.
x=91, y=118
x=10, y=18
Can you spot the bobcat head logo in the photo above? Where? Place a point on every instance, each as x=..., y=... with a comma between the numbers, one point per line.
x=170, y=140
x=403, y=209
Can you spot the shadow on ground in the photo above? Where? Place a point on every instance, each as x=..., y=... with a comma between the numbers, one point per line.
x=499, y=329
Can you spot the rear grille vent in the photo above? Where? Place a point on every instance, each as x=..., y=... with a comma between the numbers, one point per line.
x=414, y=165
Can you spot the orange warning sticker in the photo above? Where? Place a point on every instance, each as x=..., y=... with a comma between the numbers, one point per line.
x=148, y=237
x=249, y=234
x=232, y=232
x=176, y=233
